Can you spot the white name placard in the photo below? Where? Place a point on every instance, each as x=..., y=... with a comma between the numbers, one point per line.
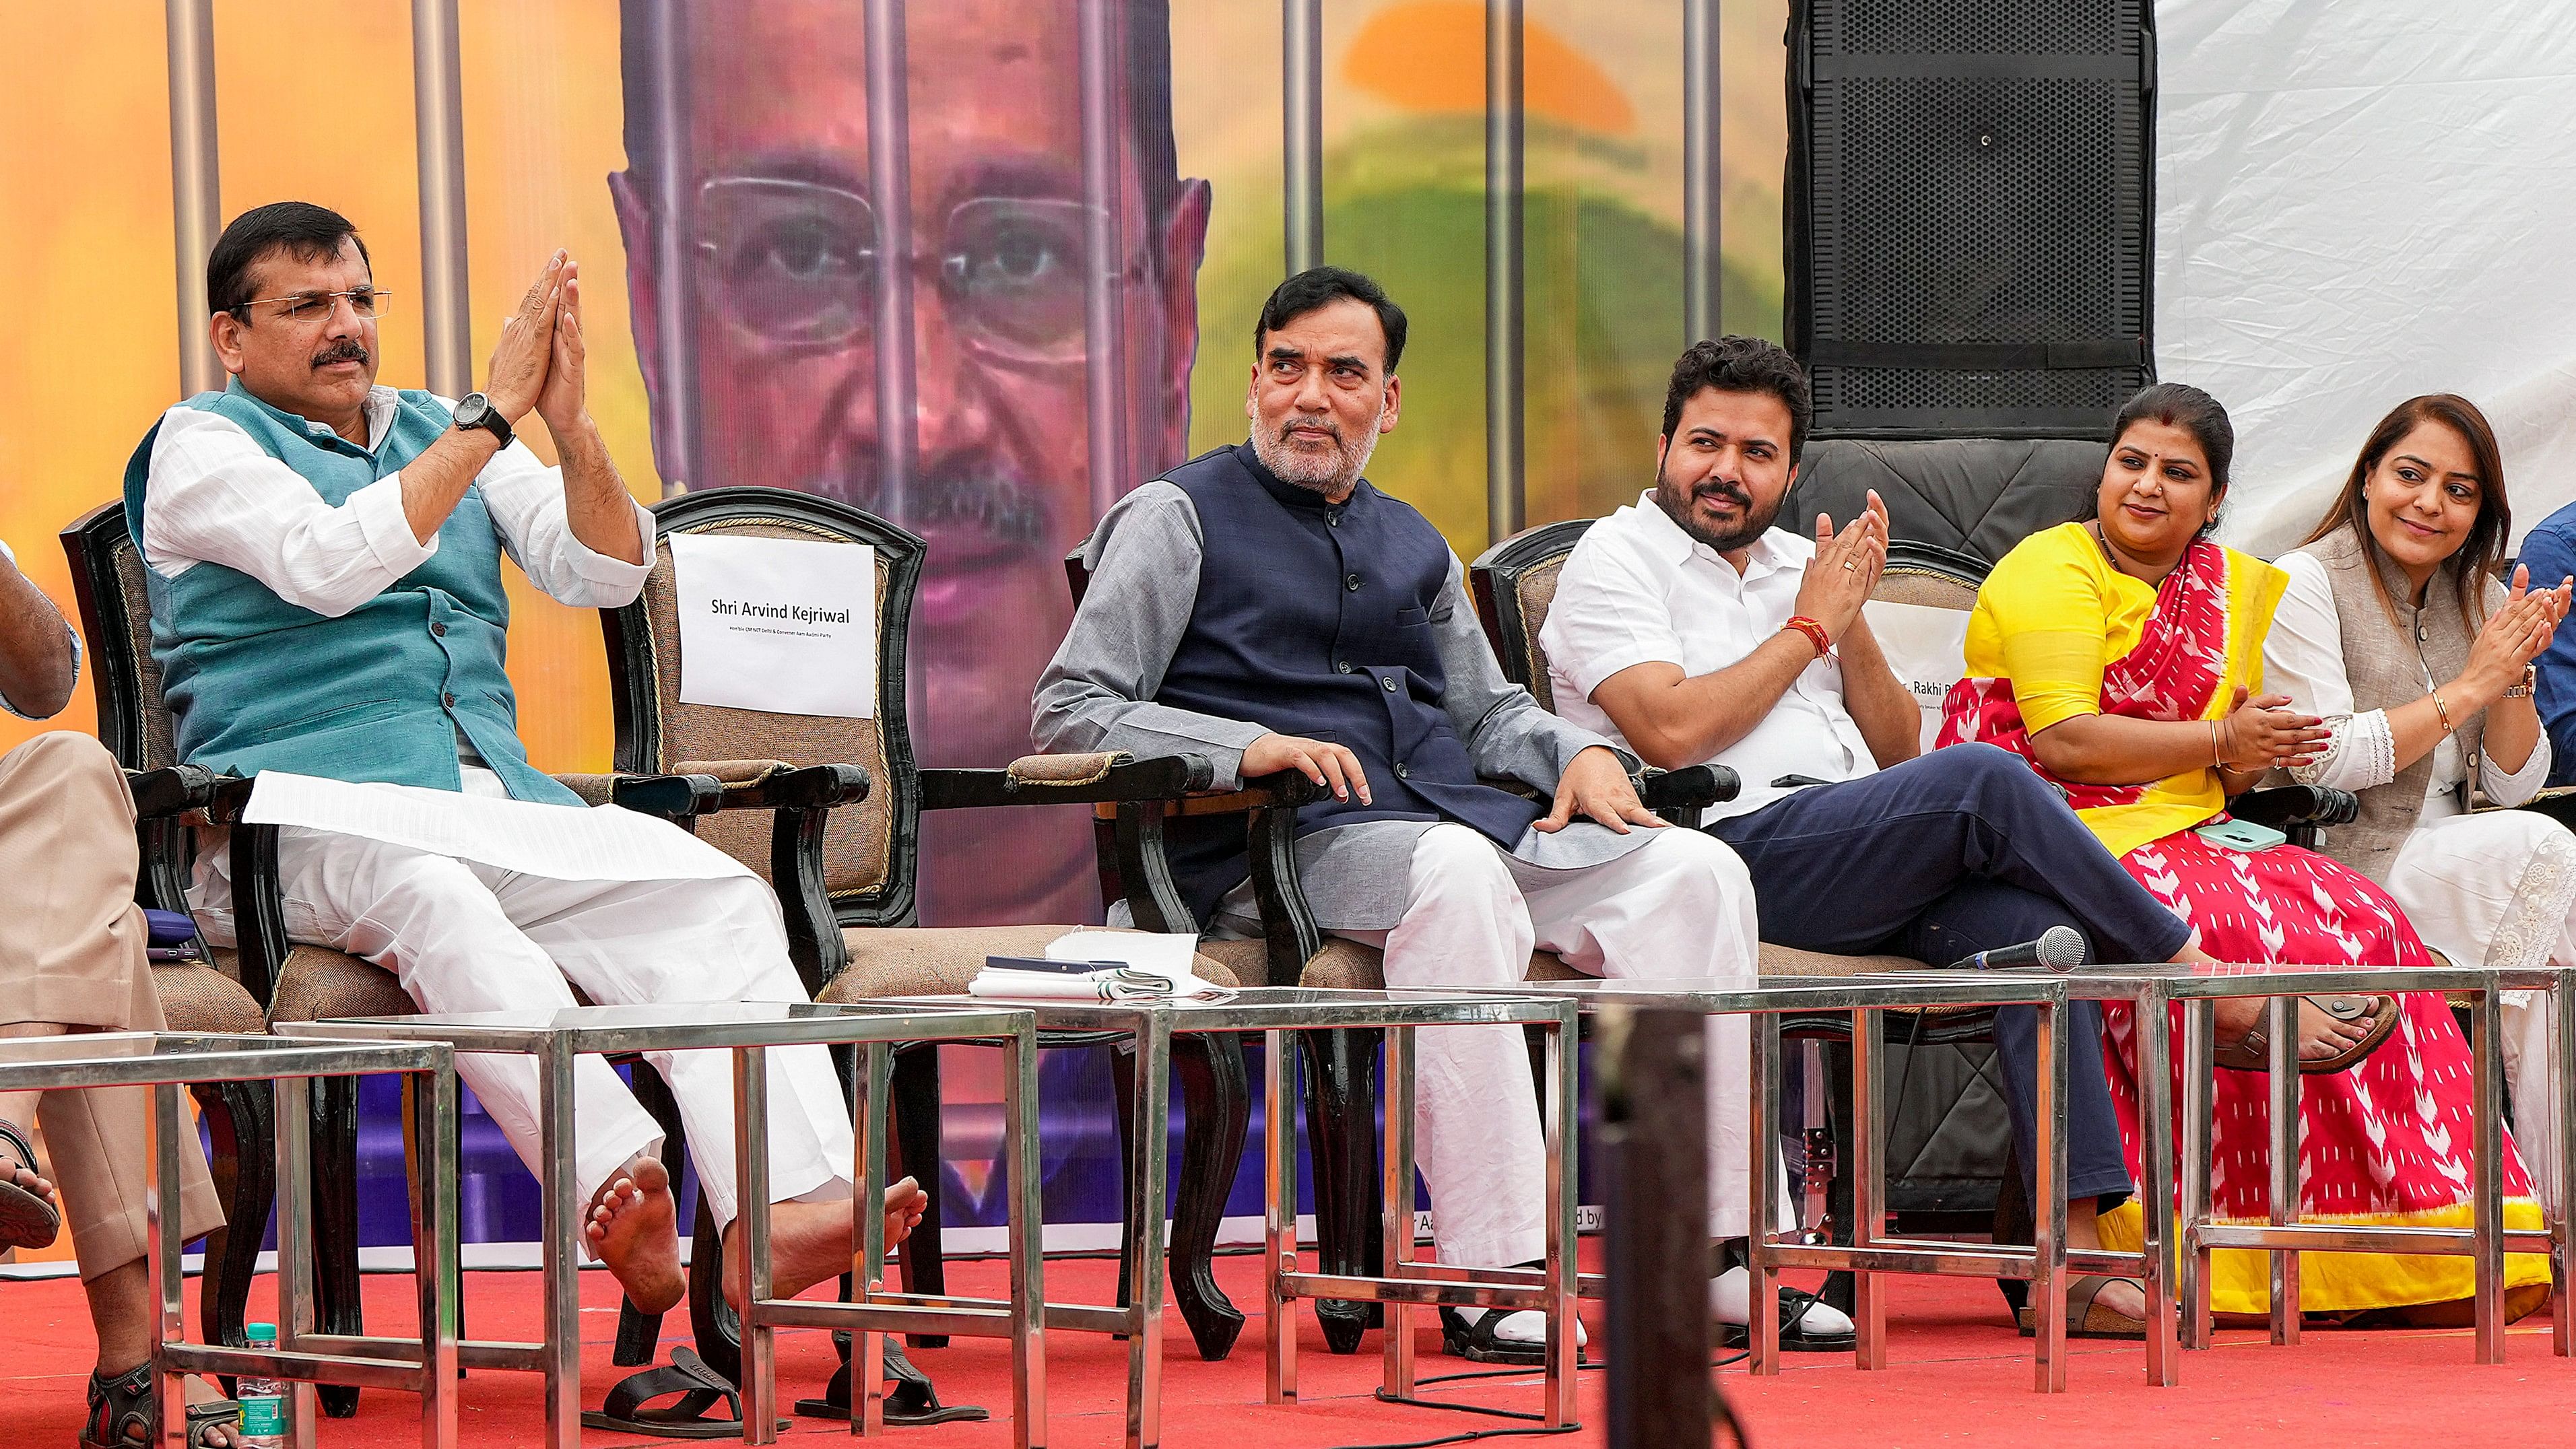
x=777, y=624
x=1926, y=647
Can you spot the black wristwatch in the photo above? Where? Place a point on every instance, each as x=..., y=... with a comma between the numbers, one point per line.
x=475, y=410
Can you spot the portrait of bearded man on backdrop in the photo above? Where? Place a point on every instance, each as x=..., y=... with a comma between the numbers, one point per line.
x=778, y=385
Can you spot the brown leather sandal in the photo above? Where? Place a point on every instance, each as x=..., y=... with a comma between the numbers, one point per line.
x=2252, y=1052
x=2086, y=1315
x=27, y=1220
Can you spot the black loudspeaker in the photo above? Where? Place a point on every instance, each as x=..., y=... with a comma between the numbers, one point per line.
x=1970, y=213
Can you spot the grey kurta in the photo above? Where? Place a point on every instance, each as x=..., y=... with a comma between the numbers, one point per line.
x=1097, y=694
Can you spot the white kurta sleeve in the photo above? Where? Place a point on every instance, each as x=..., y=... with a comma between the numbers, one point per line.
x=527, y=502
x=213, y=495
x=2514, y=787
x=1610, y=614
x=2303, y=658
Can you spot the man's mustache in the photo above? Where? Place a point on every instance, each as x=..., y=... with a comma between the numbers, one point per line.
x=347, y=349
x=1720, y=488
x=1004, y=510
x=1324, y=425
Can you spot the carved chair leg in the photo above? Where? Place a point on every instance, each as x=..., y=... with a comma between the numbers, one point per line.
x=335, y=1224
x=244, y=1167
x=639, y=1334
x=915, y=1093
x=1341, y=1133
x=1216, y=1097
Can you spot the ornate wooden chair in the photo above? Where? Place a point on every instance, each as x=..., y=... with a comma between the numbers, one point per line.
x=195, y=996
x=852, y=923
x=279, y=979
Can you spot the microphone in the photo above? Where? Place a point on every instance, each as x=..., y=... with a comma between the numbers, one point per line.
x=2059, y=948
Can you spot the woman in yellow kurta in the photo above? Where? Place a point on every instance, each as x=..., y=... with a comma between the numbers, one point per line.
x=2123, y=658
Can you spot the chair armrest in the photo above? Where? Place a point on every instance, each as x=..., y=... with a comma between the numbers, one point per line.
x=699, y=789
x=1096, y=779
x=2289, y=807
x=1693, y=788
x=177, y=791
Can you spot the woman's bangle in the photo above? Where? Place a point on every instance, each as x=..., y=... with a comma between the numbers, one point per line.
x=1815, y=633
x=2443, y=710
x=2217, y=757
x=2522, y=690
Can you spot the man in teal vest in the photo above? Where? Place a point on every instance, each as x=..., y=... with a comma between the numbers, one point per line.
x=324, y=564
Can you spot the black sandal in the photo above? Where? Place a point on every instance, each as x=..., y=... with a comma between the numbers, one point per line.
x=130, y=1401
x=2086, y=1315
x=26, y=1220
x=1794, y=1334
x=914, y=1401
x=697, y=1387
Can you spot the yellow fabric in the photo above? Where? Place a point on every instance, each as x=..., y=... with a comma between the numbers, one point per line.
x=2055, y=613
x=2240, y=1279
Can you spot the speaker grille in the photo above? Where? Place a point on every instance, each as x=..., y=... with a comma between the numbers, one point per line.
x=1975, y=27
x=1969, y=229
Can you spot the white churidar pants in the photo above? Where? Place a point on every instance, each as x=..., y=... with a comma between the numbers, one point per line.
x=1679, y=907
x=2499, y=888
x=468, y=937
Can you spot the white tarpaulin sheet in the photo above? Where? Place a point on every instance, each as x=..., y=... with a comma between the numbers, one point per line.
x=2357, y=202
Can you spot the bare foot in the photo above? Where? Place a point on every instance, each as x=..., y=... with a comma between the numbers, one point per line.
x=2123, y=1295
x=812, y=1241
x=21, y=1225
x=632, y=1228
x=2320, y=1035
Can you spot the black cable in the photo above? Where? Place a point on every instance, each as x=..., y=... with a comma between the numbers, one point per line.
x=1726, y=1417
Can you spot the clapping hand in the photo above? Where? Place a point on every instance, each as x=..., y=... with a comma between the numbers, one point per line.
x=521, y=361
x=2516, y=633
x=564, y=401
x=2259, y=734
x=1845, y=570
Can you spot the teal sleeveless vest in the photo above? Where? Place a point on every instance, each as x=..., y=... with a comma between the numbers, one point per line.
x=376, y=696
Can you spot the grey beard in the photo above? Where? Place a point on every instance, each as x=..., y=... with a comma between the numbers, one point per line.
x=1290, y=468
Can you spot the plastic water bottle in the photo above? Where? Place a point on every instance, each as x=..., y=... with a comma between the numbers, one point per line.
x=262, y=1400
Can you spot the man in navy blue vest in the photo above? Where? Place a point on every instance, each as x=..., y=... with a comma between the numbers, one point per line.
x=323, y=558
x=1265, y=606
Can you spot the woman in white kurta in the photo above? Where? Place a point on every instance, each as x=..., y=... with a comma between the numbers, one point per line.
x=2413, y=672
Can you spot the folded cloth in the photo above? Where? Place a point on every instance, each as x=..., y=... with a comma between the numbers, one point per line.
x=1124, y=966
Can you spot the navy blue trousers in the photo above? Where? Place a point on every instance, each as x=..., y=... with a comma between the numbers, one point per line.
x=1959, y=851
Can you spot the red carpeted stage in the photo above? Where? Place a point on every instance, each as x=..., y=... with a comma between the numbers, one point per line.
x=1958, y=1376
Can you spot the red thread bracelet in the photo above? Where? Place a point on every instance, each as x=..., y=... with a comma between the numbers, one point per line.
x=1815, y=633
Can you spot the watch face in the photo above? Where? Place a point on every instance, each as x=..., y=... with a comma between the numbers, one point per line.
x=471, y=410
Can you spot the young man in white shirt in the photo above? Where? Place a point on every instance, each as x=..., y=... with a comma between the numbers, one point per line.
x=1691, y=631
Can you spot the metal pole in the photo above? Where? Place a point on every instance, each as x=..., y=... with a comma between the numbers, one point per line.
x=1702, y=250
x=196, y=214
x=1104, y=254
x=890, y=190
x=1301, y=91
x=675, y=420
x=1654, y=1158
x=1502, y=267
x=438, y=106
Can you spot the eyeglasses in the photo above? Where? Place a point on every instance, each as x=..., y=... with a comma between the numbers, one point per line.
x=794, y=263
x=308, y=308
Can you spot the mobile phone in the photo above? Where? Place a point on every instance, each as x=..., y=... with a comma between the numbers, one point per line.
x=2240, y=835
x=1039, y=963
